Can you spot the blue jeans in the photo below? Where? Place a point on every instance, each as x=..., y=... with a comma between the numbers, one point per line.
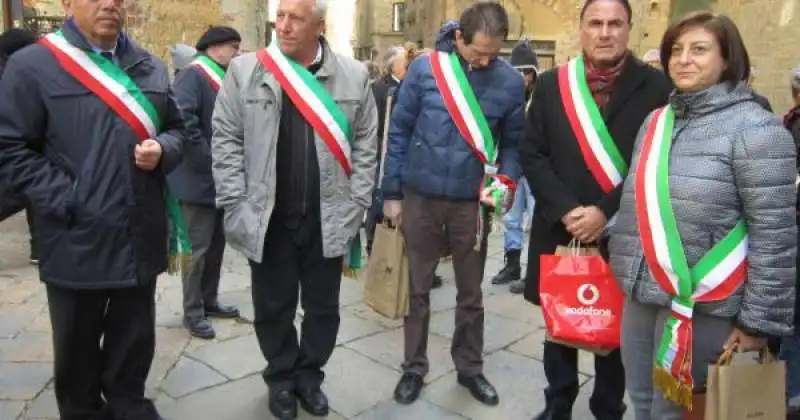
x=790, y=353
x=523, y=200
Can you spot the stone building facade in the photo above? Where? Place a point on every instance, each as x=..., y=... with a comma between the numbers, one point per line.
x=378, y=25
x=157, y=24
x=770, y=28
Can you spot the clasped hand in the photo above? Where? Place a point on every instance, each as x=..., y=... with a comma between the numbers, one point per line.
x=147, y=154
x=585, y=223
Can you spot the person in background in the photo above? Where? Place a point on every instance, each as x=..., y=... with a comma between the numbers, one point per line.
x=372, y=69
x=12, y=41
x=193, y=184
x=728, y=191
x=651, y=58
x=578, y=186
x=395, y=66
x=433, y=181
x=182, y=55
x=294, y=190
x=790, y=345
x=93, y=164
x=761, y=100
x=524, y=60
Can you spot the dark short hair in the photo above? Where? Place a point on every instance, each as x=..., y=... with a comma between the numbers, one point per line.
x=624, y=4
x=487, y=17
x=727, y=35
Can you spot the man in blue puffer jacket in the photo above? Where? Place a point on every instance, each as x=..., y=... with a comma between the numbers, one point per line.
x=454, y=109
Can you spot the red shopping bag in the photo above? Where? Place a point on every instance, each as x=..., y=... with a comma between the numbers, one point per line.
x=581, y=301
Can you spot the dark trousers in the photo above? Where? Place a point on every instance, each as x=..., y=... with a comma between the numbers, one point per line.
x=423, y=220
x=561, y=370
x=201, y=280
x=94, y=381
x=293, y=263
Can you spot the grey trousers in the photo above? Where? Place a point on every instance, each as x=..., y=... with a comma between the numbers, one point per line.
x=642, y=328
x=201, y=280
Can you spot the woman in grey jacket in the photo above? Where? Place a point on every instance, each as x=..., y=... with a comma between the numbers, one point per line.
x=705, y=242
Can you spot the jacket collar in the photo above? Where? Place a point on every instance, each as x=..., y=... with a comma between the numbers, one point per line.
x=632, y=76
x=707, y=101
x=329, y=67
x=126, y=52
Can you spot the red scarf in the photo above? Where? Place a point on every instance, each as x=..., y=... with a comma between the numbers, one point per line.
x=602, y=81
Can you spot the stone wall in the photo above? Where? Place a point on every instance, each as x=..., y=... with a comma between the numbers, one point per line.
x=157, y=24
x=373, y=26
x=550, y=20
x=771, y=29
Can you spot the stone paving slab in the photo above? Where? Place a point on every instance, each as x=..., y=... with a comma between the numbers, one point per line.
x=23, y=381
x=189, y=376
x=245, y=399
x=220, y=379
x=235, y=358
x=11, y=409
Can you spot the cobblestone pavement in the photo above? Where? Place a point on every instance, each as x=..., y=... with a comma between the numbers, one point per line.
x=194, y=379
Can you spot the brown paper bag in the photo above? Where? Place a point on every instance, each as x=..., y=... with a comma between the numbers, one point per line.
x=746, y=391
x=388, y=274
x=575, y=249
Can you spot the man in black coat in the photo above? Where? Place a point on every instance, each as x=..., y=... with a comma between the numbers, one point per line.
x=196, y=92
x=576, y=197
x=101, y=109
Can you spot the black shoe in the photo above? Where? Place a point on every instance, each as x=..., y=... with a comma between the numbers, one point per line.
x=511, y=271
x=517, y=287
x=409, y=388
x=314, y=401
x=437, y=281
x=221, y=311
x=550, y=414
x=283, y=404
x=480, y=388
x=200, y=328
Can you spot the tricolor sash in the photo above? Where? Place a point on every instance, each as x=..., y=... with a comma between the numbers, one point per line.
x=330, y=123
x=715, y=276
x=599, y=151
x=117, y=90
x=212, y=71
x=313, y=101
x=467, y=115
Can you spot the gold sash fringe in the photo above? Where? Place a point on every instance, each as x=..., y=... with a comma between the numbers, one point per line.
x=178, y=263
x=672, y=389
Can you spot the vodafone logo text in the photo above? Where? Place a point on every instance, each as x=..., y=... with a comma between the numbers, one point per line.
x=588, y=295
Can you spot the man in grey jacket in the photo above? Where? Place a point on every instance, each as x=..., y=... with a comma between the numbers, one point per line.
x=294, y=155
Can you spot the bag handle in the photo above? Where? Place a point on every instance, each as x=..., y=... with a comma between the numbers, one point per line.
x=574, y=247
x=764, y=356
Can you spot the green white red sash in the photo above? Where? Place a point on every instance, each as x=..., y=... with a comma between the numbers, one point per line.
x=715, y=277
x=313, y=101
x=117, y=90
x=467, y=115
x=317, y=106
x=212, y=71
x=599, y=151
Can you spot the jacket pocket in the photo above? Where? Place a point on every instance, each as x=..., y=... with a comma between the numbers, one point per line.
x=241, y=224
x=349, y=107
x=158, y=98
